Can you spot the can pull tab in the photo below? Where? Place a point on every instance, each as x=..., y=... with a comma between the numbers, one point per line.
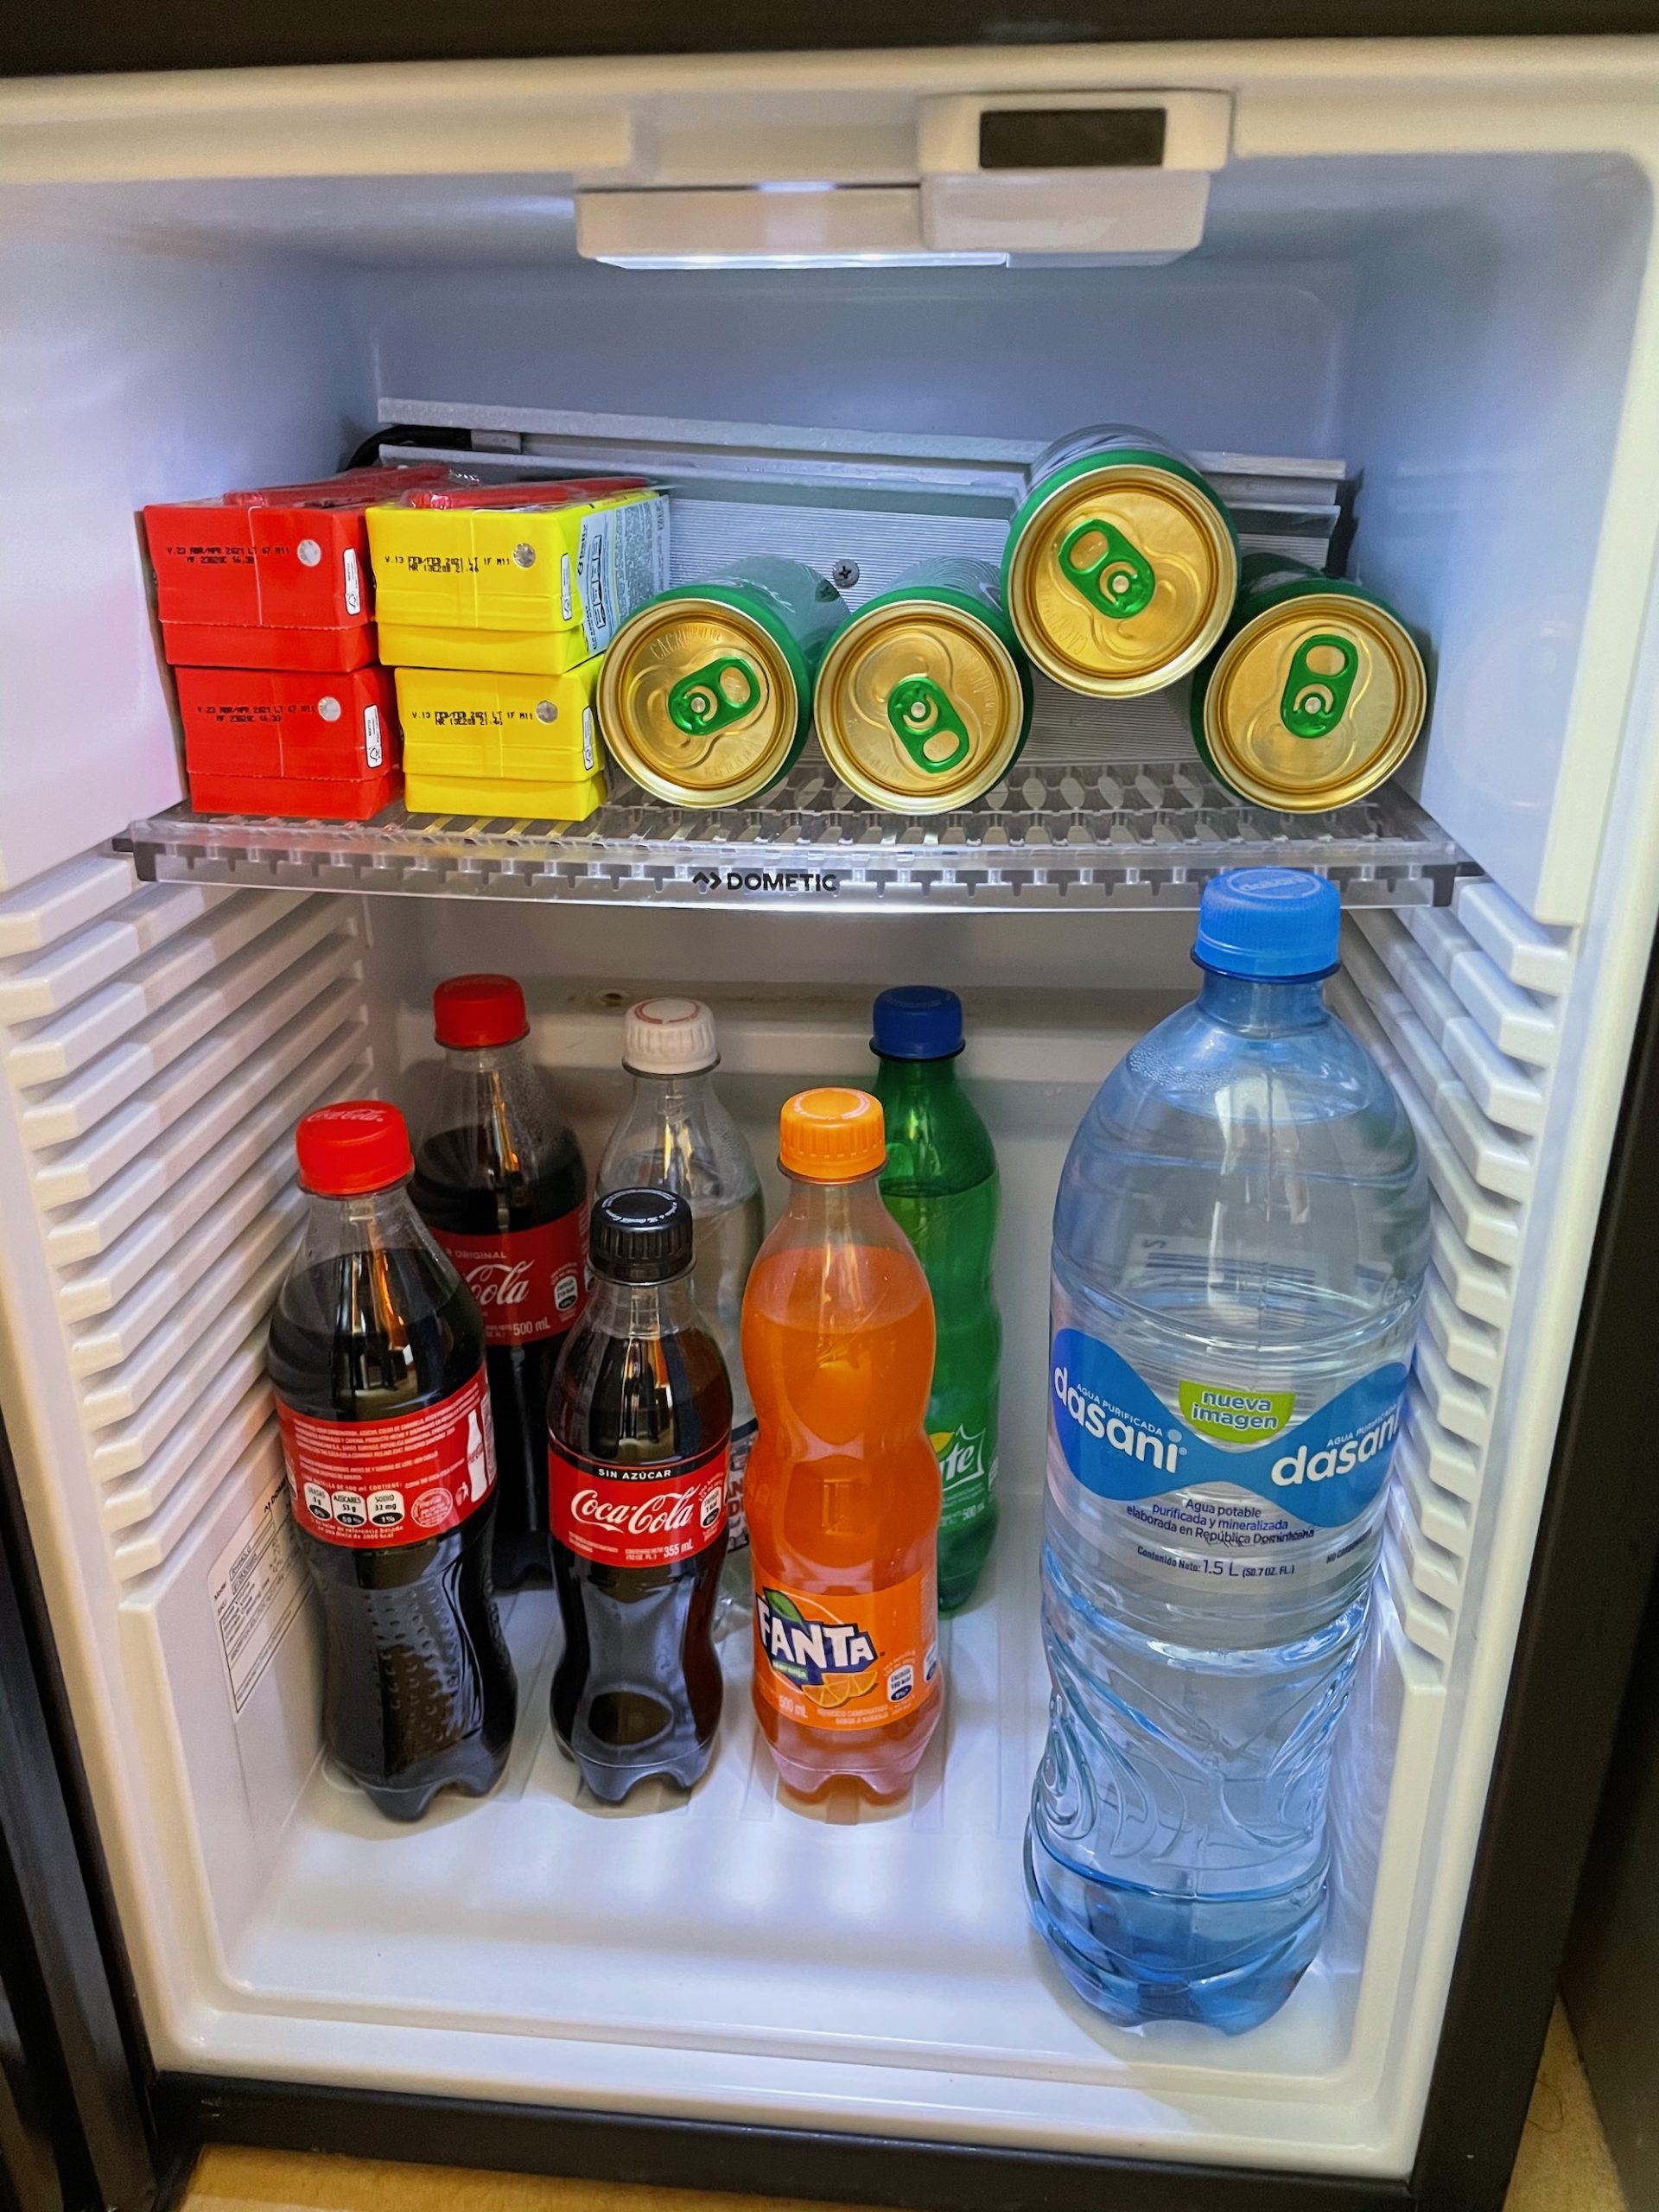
x=1101, y=565
x=927, y=725
x=1322, y=672
x=720, y=692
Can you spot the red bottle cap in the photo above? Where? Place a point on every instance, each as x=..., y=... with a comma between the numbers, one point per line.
x=469, y=1011
x=359, y=1144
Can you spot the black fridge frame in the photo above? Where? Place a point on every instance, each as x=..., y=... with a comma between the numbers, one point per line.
x=1593, y=1562
x=103, y=35
x=1591, y=1574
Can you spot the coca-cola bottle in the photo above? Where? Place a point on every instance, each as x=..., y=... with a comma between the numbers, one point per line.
x=638, y=1434
x=499, y=1182
x=377, y=1356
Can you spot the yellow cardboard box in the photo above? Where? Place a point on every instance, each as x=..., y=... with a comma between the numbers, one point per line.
x=484, y=742
x=525, y=652
x=536, y=801
x=583, y=567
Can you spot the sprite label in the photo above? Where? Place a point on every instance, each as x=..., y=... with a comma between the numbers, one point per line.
x=967, y=1457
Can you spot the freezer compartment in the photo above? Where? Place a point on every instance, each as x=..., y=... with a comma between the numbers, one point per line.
x=1457, y=329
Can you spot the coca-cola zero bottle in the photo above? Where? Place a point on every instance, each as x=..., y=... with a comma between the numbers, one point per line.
x=639, y=1433
x=377, y=1358
x=499, y=1182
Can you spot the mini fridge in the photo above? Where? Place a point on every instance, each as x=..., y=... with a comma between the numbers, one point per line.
x=1402, y=299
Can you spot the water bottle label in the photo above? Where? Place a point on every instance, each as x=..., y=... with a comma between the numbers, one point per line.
x=529, y=1284
x=1120, y=1440
x=369, y=1485
x=636, y=1517
x=845, y=1659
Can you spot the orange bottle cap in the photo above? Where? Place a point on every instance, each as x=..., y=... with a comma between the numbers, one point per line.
x=832, y=1135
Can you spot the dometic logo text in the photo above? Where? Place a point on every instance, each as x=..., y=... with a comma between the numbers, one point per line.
x=1303, y=1465
x=793, y=882
x=808, y=1651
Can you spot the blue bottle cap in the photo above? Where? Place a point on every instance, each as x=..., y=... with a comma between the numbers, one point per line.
x=1269, y=924
x=918, y=1021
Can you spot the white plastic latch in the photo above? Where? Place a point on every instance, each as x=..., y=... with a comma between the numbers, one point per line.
x=1123, y=176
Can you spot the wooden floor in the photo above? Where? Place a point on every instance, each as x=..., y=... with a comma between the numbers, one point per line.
x=1563, y=2167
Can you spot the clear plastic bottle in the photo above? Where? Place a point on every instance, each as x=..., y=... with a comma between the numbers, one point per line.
x=1240, y=1240
x=676, y=1135
x=377, y=1359
x=639, y=1422
x=940, y=1185
x=843, y=1486
x=499, y=1182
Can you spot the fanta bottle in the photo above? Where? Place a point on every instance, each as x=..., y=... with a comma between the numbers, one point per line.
x=843, y=1487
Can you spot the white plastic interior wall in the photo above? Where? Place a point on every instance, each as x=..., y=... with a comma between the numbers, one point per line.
x=1447, y=286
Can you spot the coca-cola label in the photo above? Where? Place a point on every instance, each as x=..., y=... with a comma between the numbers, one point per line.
x=527, y=1283
x=637, y=1517
x=367, y=1484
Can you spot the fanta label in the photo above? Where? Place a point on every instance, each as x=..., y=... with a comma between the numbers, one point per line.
x=846, y=1660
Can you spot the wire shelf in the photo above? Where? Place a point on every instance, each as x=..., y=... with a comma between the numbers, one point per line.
x=1058, y=835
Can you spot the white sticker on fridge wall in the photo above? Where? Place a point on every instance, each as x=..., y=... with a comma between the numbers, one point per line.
x=257, y=1586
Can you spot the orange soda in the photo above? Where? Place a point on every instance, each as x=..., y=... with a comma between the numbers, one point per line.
x=842, y=1489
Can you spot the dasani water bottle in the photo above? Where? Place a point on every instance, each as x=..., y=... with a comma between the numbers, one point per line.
x=1240, y=1240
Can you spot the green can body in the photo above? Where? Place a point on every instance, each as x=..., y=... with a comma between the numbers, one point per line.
x=706, y=694
x=923, y=699
x=1120, y=565
x=800, y=609
x=1321, y=728
x=940, y=1185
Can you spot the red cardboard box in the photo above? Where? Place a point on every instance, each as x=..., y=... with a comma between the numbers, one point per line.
x=300, y=568
x=296, y=799
x=348, y=487
x=290, y=557
x=274, y=723
x=228, y=644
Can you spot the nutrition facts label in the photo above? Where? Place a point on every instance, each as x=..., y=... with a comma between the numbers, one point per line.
x=257, y=1586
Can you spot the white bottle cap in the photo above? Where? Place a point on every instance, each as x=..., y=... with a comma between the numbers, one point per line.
x=669, y=1037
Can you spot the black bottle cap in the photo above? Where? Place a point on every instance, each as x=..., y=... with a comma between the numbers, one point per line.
x=640, y=1236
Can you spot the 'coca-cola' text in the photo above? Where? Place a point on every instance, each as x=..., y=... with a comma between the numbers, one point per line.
x=637, y=1517
x=527, y=1283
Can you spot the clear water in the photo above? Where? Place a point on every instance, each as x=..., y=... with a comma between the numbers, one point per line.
x=1242, y=1206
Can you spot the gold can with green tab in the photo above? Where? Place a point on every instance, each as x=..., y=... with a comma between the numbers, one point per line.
x=1122, y=563
x=1315, y=695
x=924, y=700
x=705, y=697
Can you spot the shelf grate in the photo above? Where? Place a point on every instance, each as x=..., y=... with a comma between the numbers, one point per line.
x=1057, y=834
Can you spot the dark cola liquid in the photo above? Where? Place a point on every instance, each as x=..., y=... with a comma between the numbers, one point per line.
x=418, y=1690
x=637, y=1692
x=464, y=1187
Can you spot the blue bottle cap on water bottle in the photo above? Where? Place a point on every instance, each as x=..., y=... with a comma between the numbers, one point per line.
x=918, y=1021
x=1269, y=924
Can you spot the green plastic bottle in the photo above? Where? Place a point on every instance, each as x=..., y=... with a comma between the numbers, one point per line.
x=940, y=1185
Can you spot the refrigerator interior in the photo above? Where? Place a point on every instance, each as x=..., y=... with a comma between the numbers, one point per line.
x=1462, y=327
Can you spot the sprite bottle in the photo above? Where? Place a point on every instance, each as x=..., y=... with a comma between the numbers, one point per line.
x=940, y=1185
